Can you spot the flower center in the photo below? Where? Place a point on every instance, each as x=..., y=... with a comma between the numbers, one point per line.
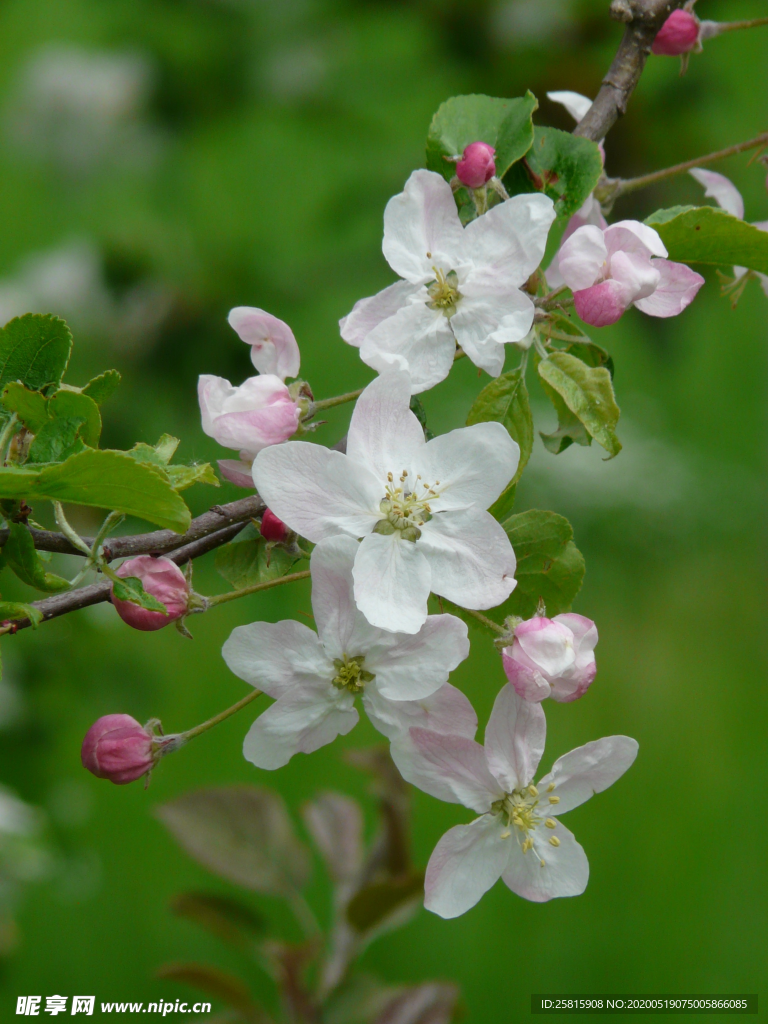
x=405, y=506
x=444, y=292
x=351, y=674
x=519, y=808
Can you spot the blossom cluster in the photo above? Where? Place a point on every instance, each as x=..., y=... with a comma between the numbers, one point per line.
x=398, y=516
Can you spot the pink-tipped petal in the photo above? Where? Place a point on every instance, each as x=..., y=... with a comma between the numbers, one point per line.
x=721, y=189
x=676, y=291
x=633, y=236
x=273, y=346
x=602, y=304
x=467, y=861
x=237, y=471
x=637, y=273
x=582, y=257
x=514, y=739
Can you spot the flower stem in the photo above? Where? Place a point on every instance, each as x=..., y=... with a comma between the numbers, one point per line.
x=222, y=715
x=548, y=300
x=74, y=538
x=716, y=28
x=329, y=403
x=501, y=630
x=7, y=436
x=622, y=186
x=235, y=594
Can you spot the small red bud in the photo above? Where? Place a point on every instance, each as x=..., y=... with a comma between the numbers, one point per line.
x=161, y=578
x=118, y=748
x=477, y=166
x=678, y=35
x=273, y=528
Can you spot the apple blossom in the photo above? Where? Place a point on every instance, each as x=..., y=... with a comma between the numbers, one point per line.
x=622, y=265
x=477, y=166
x=460, y=284
x=118, y=748
x=315, y=677
x=273, y=346
x=552, y=657
x=161, y=578
x=417, y=505
x=678, y=35
x=728, y=198
x=258, y=413
x=517, y=836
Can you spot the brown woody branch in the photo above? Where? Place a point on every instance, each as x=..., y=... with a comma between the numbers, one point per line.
x=643, y=19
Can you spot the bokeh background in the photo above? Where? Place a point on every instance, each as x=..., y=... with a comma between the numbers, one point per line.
x=164, y=160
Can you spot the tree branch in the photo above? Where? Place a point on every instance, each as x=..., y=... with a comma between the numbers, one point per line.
x=643, y=19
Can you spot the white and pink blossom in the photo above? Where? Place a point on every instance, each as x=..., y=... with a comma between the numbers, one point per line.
x=517, y=837
x=258, y=413
x=273, y=346
x=552, y=657
x=418, y=506
x=315, y=678
x=459, y=284
x=620, y=266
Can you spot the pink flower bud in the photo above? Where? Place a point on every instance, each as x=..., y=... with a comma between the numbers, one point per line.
x=258, y=413
x=117, y=748
x=679, y=34
x=552, y=658
x=273, y=528
x=161, y=578
x=477, y=165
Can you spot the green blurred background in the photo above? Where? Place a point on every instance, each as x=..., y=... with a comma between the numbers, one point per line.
x=164, y=160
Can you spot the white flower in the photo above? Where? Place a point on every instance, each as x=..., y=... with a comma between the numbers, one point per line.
x=258, y=413
x=315, y=677
x=459, y=284
x=418, y=506
x=517, y=838
x=728, y=198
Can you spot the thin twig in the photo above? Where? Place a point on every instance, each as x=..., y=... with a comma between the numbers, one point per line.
x=222, y=715
x=643, y=19
x=234, y=595
x=710, y=29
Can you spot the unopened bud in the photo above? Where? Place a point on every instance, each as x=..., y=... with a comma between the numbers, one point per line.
x=161, y=578
x=477, y=166
x=118, y=748
x=678, y=35
x=272, y=528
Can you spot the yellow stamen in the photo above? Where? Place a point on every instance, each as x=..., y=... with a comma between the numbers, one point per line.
x=550, y=823
x=554, y=799
x=554, y=841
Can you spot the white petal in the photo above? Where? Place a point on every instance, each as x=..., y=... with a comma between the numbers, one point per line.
x=467, y=861
x=721, y=189
x=581, y=259
x=588, y=769
x=576, y=104
x=318, y=492
x=446, y=711
x=634, y=236
x=565, y=871
x=551, y=647
x=392, y=583
x=422, y=227
x=343, y=629
x=475, y=335
x=485, y=320
x=416, y=339
x=278, y=656
x=636, y=273
x=451, y=768
x=470, y=556
x=511, y=238
x=418, y=664
x=473, y=464
x=273, y=346
x=369, y=313
x=584, y=630
x=384, y=434
x=299, y=722
x=514, y=739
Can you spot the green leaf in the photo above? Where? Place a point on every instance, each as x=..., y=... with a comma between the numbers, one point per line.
x=102, y=387
x=549, y=565
x=15, y=610
x=130, y=588
x=242, y=833
x=179, y=477
x=224, y=917
x=19, y=551
x=501, y=509
x=72, y=405
x=372, y=905
x=563, y=166
x=249, y=559
x=29, y=406
x=34, y=349
x=182, y=477
x=569, y=428
x=505, y=401
x=103, y=479
x=704, y=234
x=588, y=394
x=591, y=354
x=504, y=124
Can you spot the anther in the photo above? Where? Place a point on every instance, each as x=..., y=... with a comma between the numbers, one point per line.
x=506, y=835
x=543, y=863
x=554, y=799
x=550, y=823
x=550, y=787
x=532, y=790
x=390, y=478
x=554, y=841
